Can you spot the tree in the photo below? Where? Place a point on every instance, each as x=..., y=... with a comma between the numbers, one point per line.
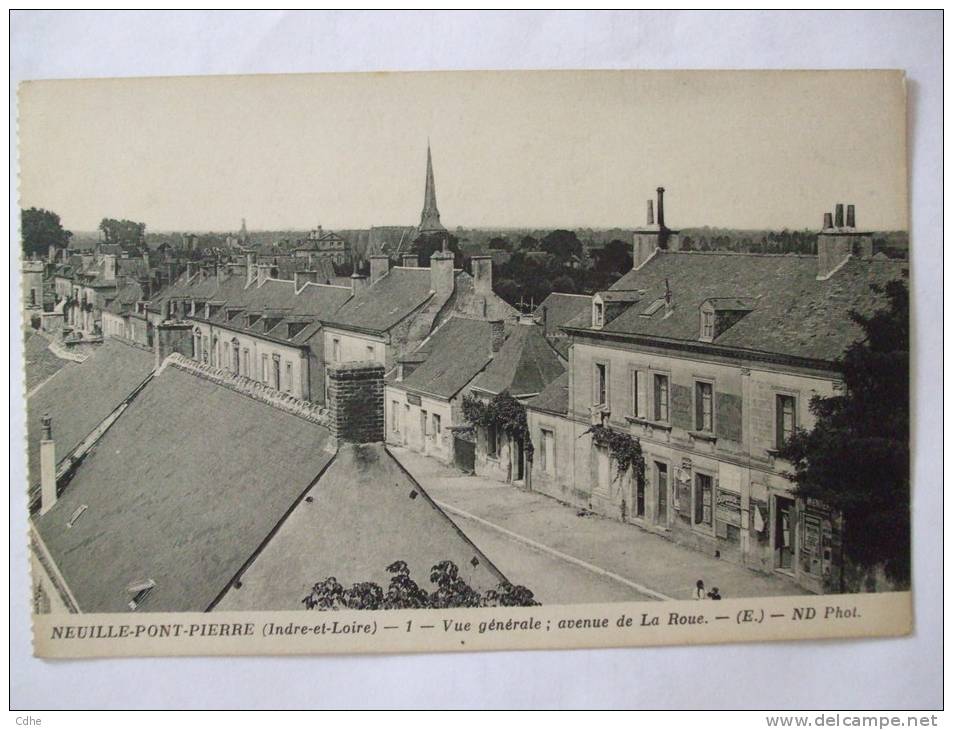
x=528, y=243
x=562, y=244
x=451, y=591
x=616, y=256
x=564, y=284
x=41, y=229
x=498, y=243
x=856, y=459
x=126, y=233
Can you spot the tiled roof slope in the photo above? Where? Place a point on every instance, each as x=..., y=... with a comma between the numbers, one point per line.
x=455, y=353
x=79, y=398
x=794, y=314
x=524, y=365
x=182, y=511
x=126, y=298
x=381, y=306
x=366, y=513
x=554, y=398
x=561, y=308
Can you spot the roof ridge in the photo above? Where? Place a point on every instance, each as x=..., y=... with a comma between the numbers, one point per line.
x=761, y=254
x=286, y=402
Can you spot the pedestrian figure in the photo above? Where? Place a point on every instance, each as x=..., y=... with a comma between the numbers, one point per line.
x=700, y=591
x=714, y=594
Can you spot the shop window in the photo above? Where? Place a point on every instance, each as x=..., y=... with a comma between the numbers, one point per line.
x=703, y=497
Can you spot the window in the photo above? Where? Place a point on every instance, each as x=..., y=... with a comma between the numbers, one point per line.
x=492, y=442
x=708, y=325
x=423, y=424
x=547, y=454
x=703, y=499
x=638, y=394
x=245, y=370
x=394, y=417
x=436, y=427
x=276, y=372
x=703, y=406
x=335, y=350
x=598, y=314
x=264, y=369
x=785, y=419
x=599, y=385
x=289, y=375
x=661, y=398
x=661, y=471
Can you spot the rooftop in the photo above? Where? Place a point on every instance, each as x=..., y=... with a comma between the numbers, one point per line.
x=388, y=301
x=525, y=364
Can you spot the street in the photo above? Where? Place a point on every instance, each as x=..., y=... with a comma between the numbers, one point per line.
x=565, y=557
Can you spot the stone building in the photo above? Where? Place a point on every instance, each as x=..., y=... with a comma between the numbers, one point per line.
x=710, y=360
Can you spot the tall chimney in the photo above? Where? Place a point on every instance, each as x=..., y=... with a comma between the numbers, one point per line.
x=828, y=221
x=649, y=213
x=839, y=215
x=850, y=216
x=482, y=268
x=47, y=466
x=661, y=208
x=380, y=265
x=356, y=401
x=497, y=336
x=358, y=283
x=409, y=260
x=251, y=270
x=173, y=337
x=441, y=273
x=109, y=267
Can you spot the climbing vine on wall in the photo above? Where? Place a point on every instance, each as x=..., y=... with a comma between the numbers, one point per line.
x=502, y=411
x=625, y=449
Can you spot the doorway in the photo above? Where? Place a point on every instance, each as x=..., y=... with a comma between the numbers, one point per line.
x=784, y=534
x=661, y=481
x=519, y=459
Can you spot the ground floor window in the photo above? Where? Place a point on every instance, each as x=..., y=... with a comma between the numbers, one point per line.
x=703, y=499
x=547, y=452
x=436, y=428
x=492, y=441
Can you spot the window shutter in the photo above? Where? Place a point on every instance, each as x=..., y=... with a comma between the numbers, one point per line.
x=640, y=395
x=778, y=421
x=699, y=422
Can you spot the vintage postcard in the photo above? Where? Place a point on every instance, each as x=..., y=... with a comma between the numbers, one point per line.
x=465, y=361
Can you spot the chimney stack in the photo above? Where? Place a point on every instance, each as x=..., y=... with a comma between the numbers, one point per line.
x=839, y=215
x=649, y=213
x=441, y=272
x=47, y=466
x=358, y=283
x=380, y=265
x=409, y=260
x=356, y=401
x=660, y=207
x=303, y=277
x=109, y=266
x=828, y=221
x=51, y=254
x=850, y=216
x=172, y=337
x=834, y=244
x=482, y=268
x=497, y=336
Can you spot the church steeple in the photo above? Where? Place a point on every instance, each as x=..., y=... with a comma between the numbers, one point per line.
x=430, y=216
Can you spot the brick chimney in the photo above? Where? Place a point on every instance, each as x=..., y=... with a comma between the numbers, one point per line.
x=441, y=272
x=303, y=277
x=47, y=466
x=834, y=245
x=356, y=401
x=497, y=336
x=409, y=260
x=482, y=268
x=380, y=265
x=172, y=337
x=109, y=266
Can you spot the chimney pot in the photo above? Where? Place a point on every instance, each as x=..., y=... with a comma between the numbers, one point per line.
x=660, y=209
x=850, y=216
x=482, y=269
x=839, y=216
x=649, y=213
x=828, y=221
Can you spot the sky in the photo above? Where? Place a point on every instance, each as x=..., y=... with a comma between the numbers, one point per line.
x=510, y=149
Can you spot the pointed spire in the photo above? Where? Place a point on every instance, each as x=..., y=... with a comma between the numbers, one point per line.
x=430, y=216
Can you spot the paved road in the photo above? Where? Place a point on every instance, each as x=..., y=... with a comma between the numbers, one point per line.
x=551, y=549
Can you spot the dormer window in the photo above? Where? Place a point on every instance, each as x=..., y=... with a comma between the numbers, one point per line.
x=598, y=313
x=708, y=325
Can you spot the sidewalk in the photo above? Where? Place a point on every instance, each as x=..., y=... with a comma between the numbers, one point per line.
x=625, y=551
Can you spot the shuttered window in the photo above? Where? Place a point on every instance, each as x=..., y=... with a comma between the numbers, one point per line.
x=785, y=419
x=703, y=406
x=661, y=398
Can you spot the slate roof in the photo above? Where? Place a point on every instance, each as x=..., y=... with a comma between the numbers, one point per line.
x=794, y=314
x=561, y=308
x=181, y=490
x=389, y=300
x=453, y=355
x=40, y=362
x=126, y=297
x=554, y=398
x=525, y=364
x=79, y=398
x=366, y=512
